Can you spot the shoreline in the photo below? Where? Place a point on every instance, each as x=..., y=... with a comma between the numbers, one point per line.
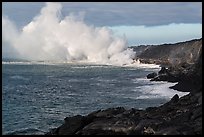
x=179, y=116
x=171, y=118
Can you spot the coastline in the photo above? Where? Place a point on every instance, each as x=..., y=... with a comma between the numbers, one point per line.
x=176, y=117
x=179, y=116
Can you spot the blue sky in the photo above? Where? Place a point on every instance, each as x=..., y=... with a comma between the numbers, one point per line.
x=140, y=22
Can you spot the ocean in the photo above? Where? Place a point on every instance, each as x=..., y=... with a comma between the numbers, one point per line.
x=37, y=96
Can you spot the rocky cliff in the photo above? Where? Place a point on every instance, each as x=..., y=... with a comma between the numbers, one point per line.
x=170, y=54
x=182, y=61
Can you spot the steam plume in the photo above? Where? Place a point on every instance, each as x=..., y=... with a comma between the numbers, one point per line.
x=48, y=37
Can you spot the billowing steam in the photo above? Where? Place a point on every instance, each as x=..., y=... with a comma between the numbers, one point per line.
x=49, y=38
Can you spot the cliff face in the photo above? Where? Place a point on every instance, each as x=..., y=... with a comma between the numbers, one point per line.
x=184, y=62
x=170, y=54
x=191, y=76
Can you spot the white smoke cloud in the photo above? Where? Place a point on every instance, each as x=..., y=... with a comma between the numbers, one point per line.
x=9, y=36
x=48, y=37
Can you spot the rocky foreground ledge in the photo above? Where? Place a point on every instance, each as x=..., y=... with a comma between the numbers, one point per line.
x=179, y=116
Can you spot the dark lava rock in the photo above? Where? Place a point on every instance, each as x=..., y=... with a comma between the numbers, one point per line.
x=179, y=116
x=165, y=77
x=163, y=70
x=170, y=54
x=174, y=99
x=71, y=125
x=152, y=75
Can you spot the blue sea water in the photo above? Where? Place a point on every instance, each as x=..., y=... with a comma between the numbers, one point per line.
x=37, y=97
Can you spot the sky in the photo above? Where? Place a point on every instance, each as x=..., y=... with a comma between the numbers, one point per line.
x=140, y=22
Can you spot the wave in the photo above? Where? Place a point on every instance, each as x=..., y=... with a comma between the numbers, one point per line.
x=30, y=63
x=85, y=63
x=159, y=90
x=19, y=77
x=26, y=131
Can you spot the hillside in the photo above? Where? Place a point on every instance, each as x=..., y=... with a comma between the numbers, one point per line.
x=170, y=54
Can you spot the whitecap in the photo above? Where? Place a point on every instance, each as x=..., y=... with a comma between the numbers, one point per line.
x=159, y=90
